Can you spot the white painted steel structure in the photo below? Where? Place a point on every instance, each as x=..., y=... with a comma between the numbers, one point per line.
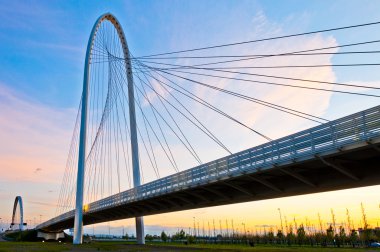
x=352, y=131
x=78, y=222
x=18, y=203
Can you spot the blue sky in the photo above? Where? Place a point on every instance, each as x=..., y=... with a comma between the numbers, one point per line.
x=42, y=48
x=43, y=42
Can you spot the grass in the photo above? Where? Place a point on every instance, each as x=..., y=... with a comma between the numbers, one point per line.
x=126, y=246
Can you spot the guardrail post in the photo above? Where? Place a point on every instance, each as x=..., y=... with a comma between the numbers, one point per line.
x=312, y=141
x=294, y=148
x=333, y=134
x=364, y=125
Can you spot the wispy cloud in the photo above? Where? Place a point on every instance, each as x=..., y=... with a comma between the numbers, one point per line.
x=58, y=47
x=32, y=135
x=258, y=117
x=28, y=15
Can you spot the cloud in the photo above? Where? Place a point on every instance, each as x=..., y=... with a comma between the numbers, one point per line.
x=263, y=119
x=58, y=47
x=32, y=135
x=28, y=15
x=260, y=117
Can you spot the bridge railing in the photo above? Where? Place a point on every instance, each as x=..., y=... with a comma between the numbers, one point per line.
x=306, y=144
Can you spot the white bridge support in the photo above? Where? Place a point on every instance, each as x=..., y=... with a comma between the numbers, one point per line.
x=51, y=236
x=78, y=221
x=18, y=202
x=134, y=145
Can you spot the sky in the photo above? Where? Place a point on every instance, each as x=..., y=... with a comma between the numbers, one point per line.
x=42, y=48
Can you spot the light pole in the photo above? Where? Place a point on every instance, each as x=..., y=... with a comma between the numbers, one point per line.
x=213, y=223
x=220, y=227
x=203, y=229
x=194, y=233
x=209, y=231
x=198, y=229
x=282, y=228
x=227, y=234
x=245, y=231
x=233, y=229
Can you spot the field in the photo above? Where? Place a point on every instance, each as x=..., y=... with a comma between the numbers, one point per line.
x=124, y=246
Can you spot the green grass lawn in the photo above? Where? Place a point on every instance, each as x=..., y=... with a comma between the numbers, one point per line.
x=125, y=246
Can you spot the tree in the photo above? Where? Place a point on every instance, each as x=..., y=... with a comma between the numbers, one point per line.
x=330, y=233
x=342, y=235
x=190, y=239
x=301, y=234
x=126, y=236
x=149, y=237
x=280, y=235
x=354, y=237
x=181, y=235
x=164, y=236
x=271, y=235
x=290, y=238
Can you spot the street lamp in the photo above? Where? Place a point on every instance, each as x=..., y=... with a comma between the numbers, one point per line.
x=245, y=231
x=194, y=233
x=282, y=228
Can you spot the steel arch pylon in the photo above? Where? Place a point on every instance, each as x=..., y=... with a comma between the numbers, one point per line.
x=78, y=220
x=18, y=202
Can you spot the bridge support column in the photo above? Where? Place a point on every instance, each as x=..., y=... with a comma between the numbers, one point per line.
x=140, y=230
x=51, y=236
x=134, y=146
x=78, y=221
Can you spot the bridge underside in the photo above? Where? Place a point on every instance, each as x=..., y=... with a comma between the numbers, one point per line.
x=352, y=167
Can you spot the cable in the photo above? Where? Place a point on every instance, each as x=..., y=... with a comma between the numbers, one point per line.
x=174, y=121
x=265, y=39
x=258, y=55
x=137, y=101
x=296, y=79
x=147, y=99
x=154, y=165
x=261, y=101
x=265, y=67
x=208, y=105
x=284, y=78
x=205, y=130
x=281, y=84
x=248, y=98
x=280, y=54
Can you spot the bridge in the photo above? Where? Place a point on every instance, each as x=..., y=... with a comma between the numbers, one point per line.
x=20, y=225
x=339, y=154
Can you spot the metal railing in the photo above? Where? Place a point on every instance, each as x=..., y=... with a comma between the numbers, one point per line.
x=306, y=144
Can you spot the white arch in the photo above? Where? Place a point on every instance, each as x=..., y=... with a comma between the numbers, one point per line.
x=18, y=202
x=78, y=221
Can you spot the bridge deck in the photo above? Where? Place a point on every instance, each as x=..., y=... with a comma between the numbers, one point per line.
x=343, y=153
